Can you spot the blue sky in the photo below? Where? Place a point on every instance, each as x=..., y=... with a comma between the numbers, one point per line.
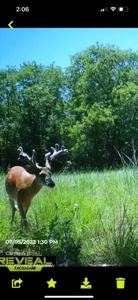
x=48, y=45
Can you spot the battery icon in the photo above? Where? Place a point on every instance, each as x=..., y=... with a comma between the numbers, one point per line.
x=123, y=9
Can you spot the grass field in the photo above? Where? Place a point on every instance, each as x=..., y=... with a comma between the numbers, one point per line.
x=87, y=219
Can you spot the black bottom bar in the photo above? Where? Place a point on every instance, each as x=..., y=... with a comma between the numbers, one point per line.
x=92, y=283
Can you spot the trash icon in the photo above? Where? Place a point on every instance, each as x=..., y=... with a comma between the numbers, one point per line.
x=120, y=283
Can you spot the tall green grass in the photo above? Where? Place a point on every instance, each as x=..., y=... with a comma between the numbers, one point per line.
x=90, y=219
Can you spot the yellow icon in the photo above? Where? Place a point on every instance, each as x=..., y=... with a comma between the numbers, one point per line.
x=51, y=283
x=120, y=283
x=86, y=284
x=16, y=284
x=10, y=24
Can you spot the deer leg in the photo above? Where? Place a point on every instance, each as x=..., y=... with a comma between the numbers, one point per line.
x=25, y=208
x=24, y=221
x=22, y=213
x=12, y=203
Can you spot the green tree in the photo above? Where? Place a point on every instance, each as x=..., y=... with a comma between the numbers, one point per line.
x=91, y=80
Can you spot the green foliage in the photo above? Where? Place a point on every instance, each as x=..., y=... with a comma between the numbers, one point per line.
x=88, y=219
x=91, y=107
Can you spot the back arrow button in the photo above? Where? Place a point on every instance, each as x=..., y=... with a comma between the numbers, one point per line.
x=10, y=24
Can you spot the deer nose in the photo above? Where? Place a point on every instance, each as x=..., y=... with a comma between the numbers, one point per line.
x=52, y=184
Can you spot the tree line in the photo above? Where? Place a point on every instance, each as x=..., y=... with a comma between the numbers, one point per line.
x=91, y=108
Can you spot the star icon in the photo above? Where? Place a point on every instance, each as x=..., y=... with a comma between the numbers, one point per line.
x=51, y=283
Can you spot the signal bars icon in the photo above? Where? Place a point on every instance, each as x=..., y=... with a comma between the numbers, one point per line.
x=104, y=9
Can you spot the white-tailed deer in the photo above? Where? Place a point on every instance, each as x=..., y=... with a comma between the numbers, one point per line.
x=23, y=183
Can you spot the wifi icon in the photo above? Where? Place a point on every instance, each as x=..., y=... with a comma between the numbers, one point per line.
x=113, y=8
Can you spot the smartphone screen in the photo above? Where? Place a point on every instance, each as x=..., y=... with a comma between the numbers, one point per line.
x=68, y=151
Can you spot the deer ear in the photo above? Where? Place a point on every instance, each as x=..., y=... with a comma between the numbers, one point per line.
x=42, y=172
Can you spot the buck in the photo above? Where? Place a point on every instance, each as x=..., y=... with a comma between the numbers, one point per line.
x=23, y=183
